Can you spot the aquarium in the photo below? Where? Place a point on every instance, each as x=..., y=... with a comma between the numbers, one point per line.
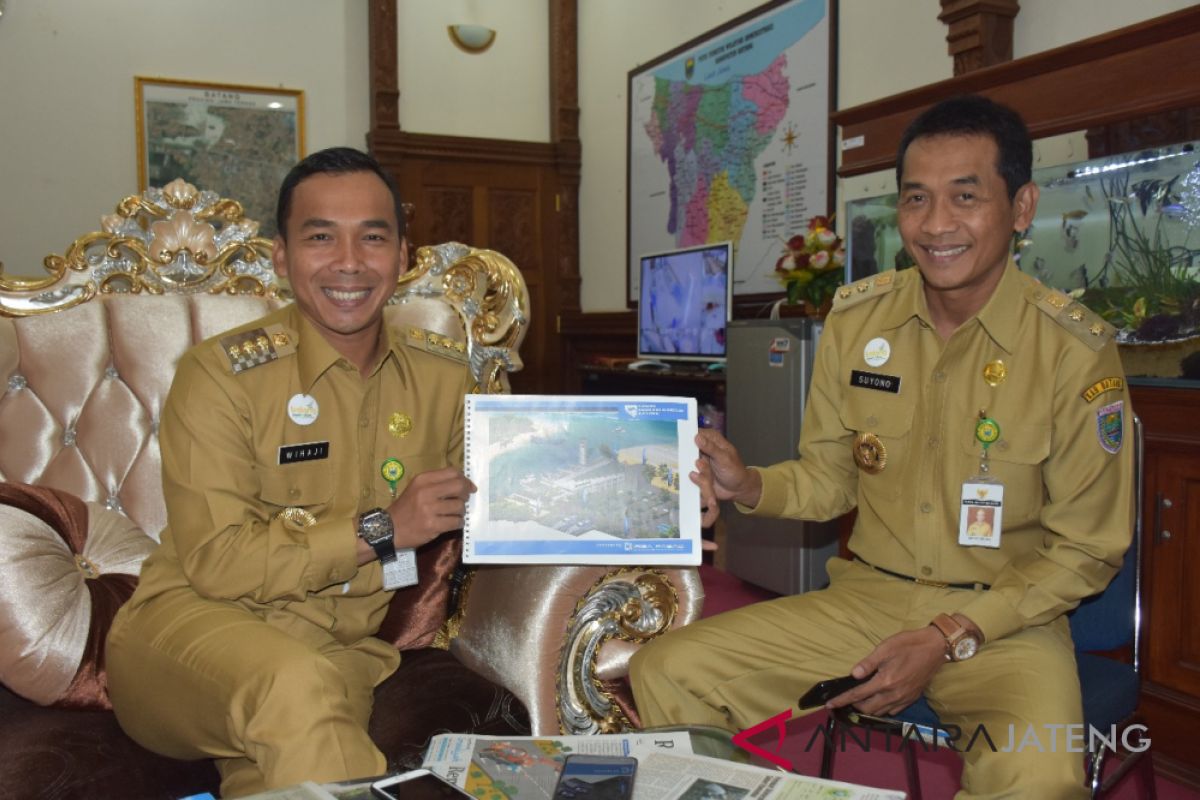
x=1120, y=233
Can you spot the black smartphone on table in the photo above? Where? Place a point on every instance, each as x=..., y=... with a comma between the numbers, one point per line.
x=419, y=784
x=587, y=777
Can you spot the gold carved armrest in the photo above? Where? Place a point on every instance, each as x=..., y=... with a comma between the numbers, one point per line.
x=460, y=291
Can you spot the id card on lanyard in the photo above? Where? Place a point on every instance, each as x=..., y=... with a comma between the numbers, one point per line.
x=981, y=508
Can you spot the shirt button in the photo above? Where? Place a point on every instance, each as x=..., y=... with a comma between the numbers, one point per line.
x=293, y=492
x=933, y=442
x=362, y=423
x=939, y=377
x=926, y=571
x=366, y=492
x=872, y=421
x=926, y=508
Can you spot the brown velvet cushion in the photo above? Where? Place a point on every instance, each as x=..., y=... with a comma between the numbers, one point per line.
x=416, y=613
x=65, y=568
x=434, y=693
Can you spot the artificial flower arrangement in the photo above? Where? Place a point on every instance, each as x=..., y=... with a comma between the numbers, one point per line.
x=811, y=268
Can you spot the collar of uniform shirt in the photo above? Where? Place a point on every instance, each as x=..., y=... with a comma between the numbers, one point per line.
x=317, y=355
x=1000, y=317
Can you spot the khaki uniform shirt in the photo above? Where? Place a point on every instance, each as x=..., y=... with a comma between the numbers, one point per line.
x=228, y=483
x=1062, y=407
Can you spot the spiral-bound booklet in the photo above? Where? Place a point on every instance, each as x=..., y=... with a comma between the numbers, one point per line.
x=581, y=480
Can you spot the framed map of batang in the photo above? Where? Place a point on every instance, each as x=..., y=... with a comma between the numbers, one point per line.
x=238, y=141
x=729, y=138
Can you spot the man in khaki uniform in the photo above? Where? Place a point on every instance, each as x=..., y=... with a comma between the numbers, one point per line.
x=919, y=374
x=298, y=450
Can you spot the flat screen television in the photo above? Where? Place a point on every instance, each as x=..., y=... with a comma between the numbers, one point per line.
x=685, y=301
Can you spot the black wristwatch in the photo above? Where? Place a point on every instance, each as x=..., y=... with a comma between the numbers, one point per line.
x=376, y=529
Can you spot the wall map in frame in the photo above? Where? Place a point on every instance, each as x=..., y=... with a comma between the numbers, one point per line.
x=729, y=139
x=238, y=141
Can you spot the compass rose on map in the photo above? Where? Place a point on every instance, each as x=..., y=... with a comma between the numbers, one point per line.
x=790, y=135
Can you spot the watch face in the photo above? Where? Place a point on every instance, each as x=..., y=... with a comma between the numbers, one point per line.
x=965, y=647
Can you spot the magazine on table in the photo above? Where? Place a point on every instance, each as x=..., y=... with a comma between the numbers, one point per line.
x=521, y=767
x=525, y=767
x=581, y=480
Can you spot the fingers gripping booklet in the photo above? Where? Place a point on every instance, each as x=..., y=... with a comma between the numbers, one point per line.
x=581, y=480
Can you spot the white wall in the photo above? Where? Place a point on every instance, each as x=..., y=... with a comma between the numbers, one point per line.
x=67, y=140
x=502, y=93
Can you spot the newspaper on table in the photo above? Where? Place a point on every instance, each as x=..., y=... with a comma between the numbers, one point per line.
x=581, y=480
x=661, y=776
x=524, y=768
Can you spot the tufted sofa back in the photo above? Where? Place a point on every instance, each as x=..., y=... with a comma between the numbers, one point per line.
x=88, y=353
x=83, y=388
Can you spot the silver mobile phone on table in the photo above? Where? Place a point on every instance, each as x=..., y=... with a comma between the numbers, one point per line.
x=419, y=784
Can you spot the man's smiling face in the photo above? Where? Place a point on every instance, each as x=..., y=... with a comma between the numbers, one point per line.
x=954, y=213
x=342, y=255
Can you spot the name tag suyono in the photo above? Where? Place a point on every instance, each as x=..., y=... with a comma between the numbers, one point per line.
x=309, y=451
x=875, y=380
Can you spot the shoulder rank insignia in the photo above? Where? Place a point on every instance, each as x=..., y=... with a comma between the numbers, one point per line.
x=438, y=344
x=854, y=293
x=255, y=347
x=1083, y=323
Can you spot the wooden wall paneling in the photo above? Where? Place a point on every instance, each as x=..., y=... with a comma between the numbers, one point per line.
x=519, y=198
x=1122, y=75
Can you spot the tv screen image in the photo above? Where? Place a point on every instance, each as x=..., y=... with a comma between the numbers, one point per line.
x=684, y=302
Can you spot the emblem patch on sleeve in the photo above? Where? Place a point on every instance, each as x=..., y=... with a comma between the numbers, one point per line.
x=1110, y=426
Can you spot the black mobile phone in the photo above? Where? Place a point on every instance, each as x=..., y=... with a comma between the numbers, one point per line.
x=596, y=778
x=826, y=690
x=419, y=784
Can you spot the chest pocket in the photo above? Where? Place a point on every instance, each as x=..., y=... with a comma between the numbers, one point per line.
x=1016, y=460
x=889, y=418
x=307, y=485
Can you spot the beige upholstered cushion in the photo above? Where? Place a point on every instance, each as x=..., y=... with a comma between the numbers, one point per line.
x=65, y=569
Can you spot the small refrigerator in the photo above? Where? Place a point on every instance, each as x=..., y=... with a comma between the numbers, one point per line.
x=769, y=365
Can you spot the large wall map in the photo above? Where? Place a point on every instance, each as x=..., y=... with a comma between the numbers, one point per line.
x=729, y=140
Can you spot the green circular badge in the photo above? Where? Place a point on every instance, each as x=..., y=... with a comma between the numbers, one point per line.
x=987, y=431
x=392, y=470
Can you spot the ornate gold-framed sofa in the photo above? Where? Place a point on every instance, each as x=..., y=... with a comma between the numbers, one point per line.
x=87, y=355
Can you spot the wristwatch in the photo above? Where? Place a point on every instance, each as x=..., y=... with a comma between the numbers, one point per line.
x=961, y=644
x=376, y=529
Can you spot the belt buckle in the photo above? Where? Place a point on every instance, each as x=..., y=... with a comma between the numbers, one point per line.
x=934, y=584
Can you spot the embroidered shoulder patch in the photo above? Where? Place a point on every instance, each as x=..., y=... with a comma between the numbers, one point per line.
x=1110, y=426
x=255, y=347
x=438, y=344
x=1114, y=384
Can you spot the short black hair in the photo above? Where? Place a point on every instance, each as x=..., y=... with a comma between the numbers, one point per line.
x=974, y=115
x=335, y=161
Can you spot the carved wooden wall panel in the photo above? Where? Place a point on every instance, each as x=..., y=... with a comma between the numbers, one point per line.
x=450, y=212
x=513, y=227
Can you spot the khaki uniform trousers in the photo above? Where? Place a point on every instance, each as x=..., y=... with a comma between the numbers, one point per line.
x=742, y=667
x=276, y=703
